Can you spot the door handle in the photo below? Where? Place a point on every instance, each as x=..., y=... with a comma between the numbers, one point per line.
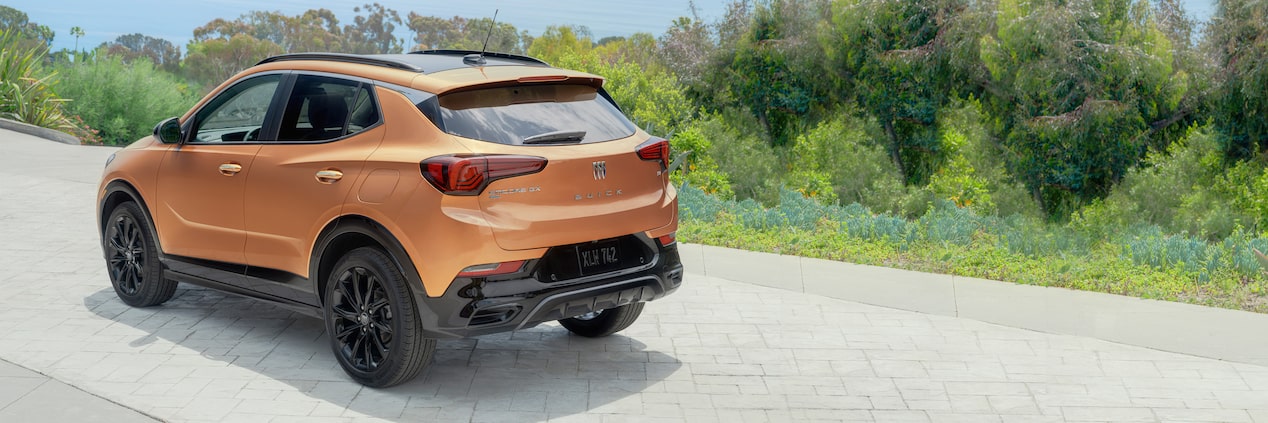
x=230, y=169
x=329, y=176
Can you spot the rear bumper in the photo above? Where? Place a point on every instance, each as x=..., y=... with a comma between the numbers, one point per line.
x=478, y=307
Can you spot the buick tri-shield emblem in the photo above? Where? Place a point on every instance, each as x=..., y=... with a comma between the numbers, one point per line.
x=600, y=170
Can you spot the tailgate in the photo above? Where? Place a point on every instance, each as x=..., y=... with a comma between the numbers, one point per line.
x=585, y=193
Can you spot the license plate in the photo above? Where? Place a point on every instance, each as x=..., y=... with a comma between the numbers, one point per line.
x=599, y=257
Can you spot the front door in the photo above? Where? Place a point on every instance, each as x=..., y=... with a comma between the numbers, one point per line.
x=201, y=182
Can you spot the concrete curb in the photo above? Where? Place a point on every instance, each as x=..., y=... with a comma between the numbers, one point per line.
x=35, y=131
x=1230, y=335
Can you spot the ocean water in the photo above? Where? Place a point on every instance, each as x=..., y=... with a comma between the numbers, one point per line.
x=103, y=20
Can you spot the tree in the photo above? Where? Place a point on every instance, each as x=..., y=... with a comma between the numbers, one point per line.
x=764, y=81
x=1238, y=40
x=16, y=21
x=461, y=33
x=314, y=30
x=372, y=33
x=1076, y=91
x=896, y=60
x=214, y=60
x=162, y=53
x=76, y=32
x=560, y=40
x=685, y=47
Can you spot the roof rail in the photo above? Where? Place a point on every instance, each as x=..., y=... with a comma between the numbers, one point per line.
x=346, y=58
x=504, y=56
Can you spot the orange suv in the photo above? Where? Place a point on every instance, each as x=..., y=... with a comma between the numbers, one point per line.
x=401, y=198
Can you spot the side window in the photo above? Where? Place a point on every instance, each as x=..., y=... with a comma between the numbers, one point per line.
x=322, y=108
x=238, y=113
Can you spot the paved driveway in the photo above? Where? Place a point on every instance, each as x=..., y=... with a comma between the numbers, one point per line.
x=715, y=351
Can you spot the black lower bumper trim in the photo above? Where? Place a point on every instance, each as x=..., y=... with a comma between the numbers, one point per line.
x=458, y=314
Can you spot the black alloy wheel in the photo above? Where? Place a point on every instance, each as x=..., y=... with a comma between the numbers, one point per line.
x=363, y=320
x=132, y=258
x=374, y=329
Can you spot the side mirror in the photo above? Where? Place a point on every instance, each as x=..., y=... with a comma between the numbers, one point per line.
x=168, y=131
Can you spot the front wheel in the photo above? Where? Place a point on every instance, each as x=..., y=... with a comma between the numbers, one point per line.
x=603, y=322
x=374, y=329
x=132, y=258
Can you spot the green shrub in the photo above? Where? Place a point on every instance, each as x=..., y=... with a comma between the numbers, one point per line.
x=748, y=161
x=1186, y=190
x=699, y=170
x=122, y=101
x=26, y=88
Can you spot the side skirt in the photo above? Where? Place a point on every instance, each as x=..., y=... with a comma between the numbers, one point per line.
x=298, y=307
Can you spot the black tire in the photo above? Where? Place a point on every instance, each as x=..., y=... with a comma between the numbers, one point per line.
x=374, y=328
x=132, y=258
x=605, y=322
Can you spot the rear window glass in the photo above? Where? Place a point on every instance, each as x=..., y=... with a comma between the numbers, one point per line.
x=509, y=115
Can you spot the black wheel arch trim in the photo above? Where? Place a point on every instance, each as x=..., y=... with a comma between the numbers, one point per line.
x=112, y=191
x=357, y=225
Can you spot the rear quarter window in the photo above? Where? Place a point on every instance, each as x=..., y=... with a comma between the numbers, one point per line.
x=509, y=115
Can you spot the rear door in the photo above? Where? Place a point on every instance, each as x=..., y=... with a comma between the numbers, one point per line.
x=594, y=186
x=328, y=126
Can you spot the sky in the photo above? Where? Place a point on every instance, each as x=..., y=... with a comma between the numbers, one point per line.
x=103, y=20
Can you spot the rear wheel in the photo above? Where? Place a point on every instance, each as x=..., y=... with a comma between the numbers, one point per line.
x=603, y=322
x=132, y=258
x=370, y=316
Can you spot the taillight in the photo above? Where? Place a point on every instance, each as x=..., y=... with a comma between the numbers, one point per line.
x=667, y=240
x=464, y=174
x=655, y=149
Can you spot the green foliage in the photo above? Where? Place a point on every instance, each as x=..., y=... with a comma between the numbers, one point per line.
x=1142, y=261
x=431, y=32
x=212, y=61
x=700, y=169
x=130, y=47
x=766, y=75
x=123, y=101
x=1183, y=190
x=30, y=35
x=748, y=161
x=651, y=97
x=894, y=59
x=372, y=32
x=1070, y=159
x=959, y=183
x=561, y=40
x=1076, y=90
x=26, y=88
x=1237, y=35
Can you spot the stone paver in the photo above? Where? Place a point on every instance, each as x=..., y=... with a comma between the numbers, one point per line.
x=716, y=351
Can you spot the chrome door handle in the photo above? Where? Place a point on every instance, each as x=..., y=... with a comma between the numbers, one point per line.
x=329, y=176
x=230, y=169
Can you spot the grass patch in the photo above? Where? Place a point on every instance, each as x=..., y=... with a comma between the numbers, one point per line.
x=1139, y=261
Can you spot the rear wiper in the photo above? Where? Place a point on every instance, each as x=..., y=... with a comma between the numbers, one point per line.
x=561, y=137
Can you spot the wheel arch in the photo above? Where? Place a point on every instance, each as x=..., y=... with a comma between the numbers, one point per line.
x=117, y=192
x=347, y=233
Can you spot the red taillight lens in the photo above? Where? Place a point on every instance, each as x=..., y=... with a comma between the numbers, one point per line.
x=469, y=174
x=667, y=240
x=655, y=149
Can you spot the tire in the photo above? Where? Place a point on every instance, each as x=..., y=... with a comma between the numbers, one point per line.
x=374, y=328
x=132, y=258
x=605, y=323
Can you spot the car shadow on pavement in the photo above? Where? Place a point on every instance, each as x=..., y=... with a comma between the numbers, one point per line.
x=244, y=352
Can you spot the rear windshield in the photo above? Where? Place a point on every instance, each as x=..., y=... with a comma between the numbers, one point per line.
x=510, y=115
